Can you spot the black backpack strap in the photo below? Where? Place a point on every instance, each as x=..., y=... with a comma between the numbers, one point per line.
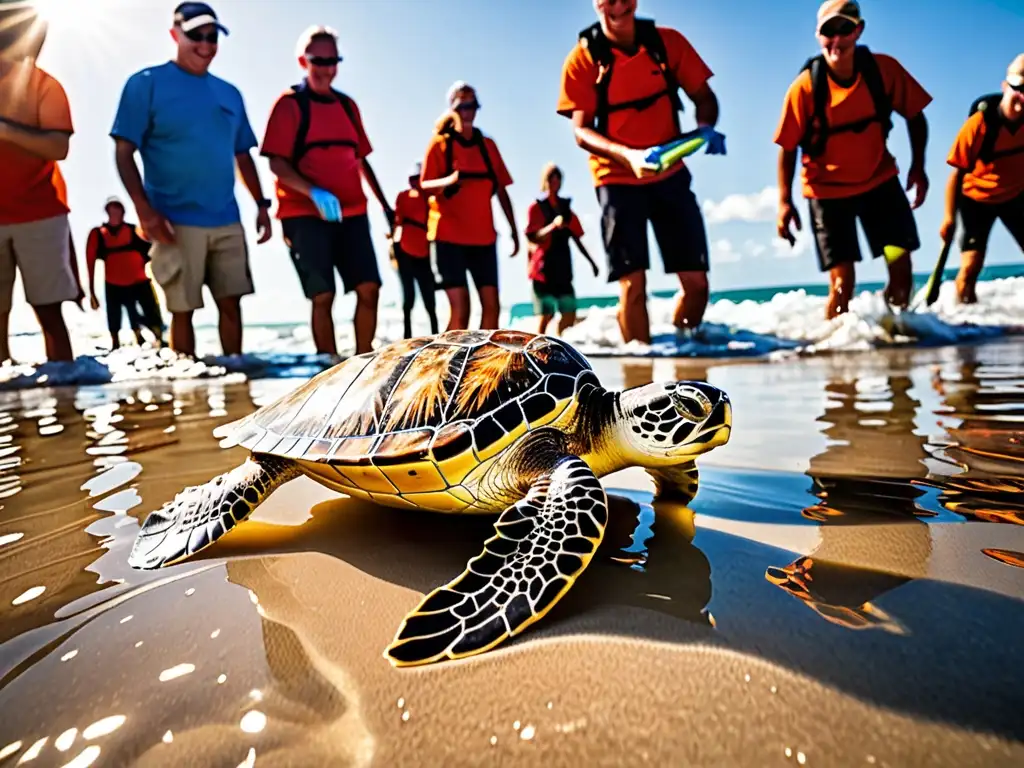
x=101, y=243
x=547, y=210
x=818, y=129
x=866, y=63
x=477, y=139
x=301, y=146
x=593, y=40
x=988, y=105
x=599, y=47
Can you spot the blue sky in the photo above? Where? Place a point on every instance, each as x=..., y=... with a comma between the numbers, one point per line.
x=402, y=55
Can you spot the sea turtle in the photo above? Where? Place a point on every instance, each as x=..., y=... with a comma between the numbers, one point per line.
x=464, y=422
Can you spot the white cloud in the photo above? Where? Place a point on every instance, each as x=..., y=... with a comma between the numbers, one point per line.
x=754, y=248
x=759, y=206
x=723, y=251
x=803, y=244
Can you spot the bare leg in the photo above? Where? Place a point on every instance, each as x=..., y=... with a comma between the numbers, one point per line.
x=841, y=282
x=55, y=333
x=566, y=320
x=366, y=316
x=971, y=263
x=322, y=324
x=230, y=324
x=458, y=298
x=901, y=281
x=5, y=342
x=490, y=307
x=692, y=301
x=633, y=319
x=542, y=324
x=183, y=335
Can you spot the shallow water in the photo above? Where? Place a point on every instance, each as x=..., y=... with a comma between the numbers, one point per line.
x=846, y=585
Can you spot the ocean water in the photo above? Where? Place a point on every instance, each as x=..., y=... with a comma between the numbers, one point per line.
x=787, y=324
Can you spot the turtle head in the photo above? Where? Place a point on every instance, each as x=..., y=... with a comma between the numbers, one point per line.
x=668, y=423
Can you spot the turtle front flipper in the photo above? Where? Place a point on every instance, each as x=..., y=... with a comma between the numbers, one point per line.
x=201, y=514
x=542, y=544
x=677, y=483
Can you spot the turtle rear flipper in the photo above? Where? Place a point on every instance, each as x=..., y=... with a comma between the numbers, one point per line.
x=201, y=514
x=542, y=544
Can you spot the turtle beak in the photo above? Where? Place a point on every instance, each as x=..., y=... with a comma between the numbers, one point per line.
x=709, y=409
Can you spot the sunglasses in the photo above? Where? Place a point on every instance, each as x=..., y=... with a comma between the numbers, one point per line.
x=199, y=37
x=837, y=28
x=467, y=106
x=1017, y=88
x=323, y=61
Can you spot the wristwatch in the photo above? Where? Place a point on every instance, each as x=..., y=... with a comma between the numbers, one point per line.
x=264, y=203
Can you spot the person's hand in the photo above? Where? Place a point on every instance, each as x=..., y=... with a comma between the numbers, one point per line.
x=326, y=203
x=593, y=266
x=639, y=164
x=155, y=227
x=714, y=141
x=515, y=244
x=787, y=215
x=559, y=221
x=916, y=177
x=263, y=226
x=946, y=229
x=94, y=302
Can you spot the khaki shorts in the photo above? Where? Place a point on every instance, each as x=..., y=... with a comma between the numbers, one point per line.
x=213, y=256
x=41, y=251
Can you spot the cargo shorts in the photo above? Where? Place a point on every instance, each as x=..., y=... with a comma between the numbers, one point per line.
x=41, y=252
x=217, y=257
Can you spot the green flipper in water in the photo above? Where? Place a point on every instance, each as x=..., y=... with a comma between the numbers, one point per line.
x=201, y=514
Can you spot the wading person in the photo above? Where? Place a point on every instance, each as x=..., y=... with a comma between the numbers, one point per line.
x=620, y=88
x=318, y=151
x=987, y=182
x=838, y=114
x=550, y=227
x=411, y=251
x=191, y=130
x=462, y=171
x=127, y=286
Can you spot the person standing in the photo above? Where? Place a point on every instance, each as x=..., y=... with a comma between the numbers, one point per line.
x=838, y=114
x=35, y=134
x=987, y=181
x=462, y=171
x=191, y=130
x=620, y=87
x=128, y=288
x=411, y=251
x=318, y=151
x=550, y=226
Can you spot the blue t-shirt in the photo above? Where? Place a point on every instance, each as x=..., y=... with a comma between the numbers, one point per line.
x=188, y=129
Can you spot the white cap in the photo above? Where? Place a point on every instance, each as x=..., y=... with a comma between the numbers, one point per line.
x=1015, y=72
x=317, y=30
x=113, y=199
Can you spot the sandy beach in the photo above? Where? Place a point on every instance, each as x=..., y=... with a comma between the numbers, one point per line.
x=824, y=600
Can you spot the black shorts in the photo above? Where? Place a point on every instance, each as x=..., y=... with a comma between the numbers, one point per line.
x=884, y=214
x=977, y=220
x=318, y=247
x=671, y=208
x=454, y=260
x=140, y=302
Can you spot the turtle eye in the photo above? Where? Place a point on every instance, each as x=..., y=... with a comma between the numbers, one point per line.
x=693, y=405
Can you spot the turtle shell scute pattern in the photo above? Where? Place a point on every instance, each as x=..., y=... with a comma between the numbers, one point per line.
x=457, y=398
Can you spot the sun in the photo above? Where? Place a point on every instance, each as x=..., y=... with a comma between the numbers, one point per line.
x=61, y=11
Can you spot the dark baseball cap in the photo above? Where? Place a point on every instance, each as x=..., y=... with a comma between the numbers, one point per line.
x=191, y=16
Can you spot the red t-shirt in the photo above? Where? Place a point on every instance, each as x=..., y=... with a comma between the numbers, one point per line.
x=336, y=168
x=539, y=267
x=467, y=217
x=411, y=215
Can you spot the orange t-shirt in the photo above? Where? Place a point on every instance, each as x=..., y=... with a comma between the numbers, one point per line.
x=635, y=76
x=411, y=213
x=852, y=162
x=336, y=168
x=33, y=188
x=995, y=182
x=123, y=262
x=466, y=218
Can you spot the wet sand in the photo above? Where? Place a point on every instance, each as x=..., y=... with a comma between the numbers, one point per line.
x=827, y=592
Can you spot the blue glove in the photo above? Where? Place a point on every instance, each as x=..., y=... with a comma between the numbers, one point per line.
x=326, y=203
x=715, y=140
